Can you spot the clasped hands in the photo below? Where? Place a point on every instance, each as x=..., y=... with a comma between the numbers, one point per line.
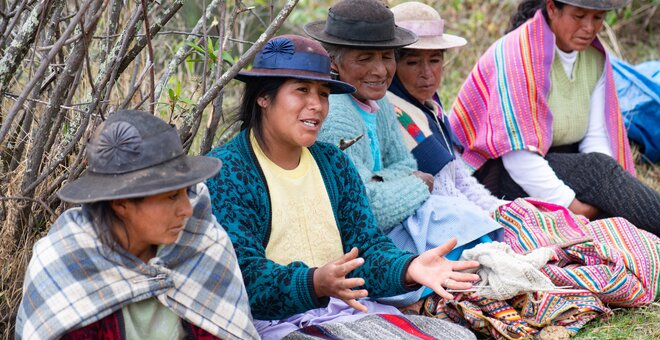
x=430, y=269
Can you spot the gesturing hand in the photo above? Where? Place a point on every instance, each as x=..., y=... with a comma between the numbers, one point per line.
x=433, y=270
x=330, y=280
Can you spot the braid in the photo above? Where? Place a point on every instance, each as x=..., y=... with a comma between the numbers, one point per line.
x=527, y=9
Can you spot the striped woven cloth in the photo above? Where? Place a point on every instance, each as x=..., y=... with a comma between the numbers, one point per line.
x=522, y=316
x=610, y=257
x=385, y=326
x=502, y=105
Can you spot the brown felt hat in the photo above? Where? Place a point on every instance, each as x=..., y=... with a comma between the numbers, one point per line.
x=360, y=24
x=135, y=154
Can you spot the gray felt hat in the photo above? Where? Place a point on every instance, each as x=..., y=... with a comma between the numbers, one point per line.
x=360, y=24
x=601, y=5
x=135, y=154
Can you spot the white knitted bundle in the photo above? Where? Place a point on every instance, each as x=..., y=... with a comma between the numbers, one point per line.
x=505, y=274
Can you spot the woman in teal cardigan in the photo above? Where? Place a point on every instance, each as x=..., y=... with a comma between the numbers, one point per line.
x=399, y=194
x=296, y=209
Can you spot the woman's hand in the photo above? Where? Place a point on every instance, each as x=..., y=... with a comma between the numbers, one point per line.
x=426, y=178
x=580, y=208
x=433, y=270
x=330, y=280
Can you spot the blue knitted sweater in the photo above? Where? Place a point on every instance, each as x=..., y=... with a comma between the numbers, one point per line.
x=241, y=203
x=399, y=194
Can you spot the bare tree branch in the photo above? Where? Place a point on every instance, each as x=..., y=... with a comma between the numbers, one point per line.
x=188, y=132
x=7, y=122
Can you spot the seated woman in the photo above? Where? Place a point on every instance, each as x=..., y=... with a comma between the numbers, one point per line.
x=295, y=209
x=400, y=196
x=423, y=124
x=539, y=116
x=143, y=258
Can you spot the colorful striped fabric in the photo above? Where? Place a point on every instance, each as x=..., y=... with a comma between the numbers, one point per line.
x=502, y=105
x=610, y=257
x=522, y=316
x=385, y=326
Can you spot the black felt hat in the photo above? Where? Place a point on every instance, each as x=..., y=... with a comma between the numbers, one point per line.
x=361, y=24
x=601, y=5
x=135, y=154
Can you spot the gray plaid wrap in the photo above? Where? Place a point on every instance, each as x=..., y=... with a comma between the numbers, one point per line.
x=73, y=280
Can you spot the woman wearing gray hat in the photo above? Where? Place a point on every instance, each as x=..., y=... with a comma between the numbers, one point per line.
x=539, y=116
x=295, y=209
x=143, y=258
x=361, y=37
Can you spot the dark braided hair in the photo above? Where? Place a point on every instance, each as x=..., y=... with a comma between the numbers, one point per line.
x=527, y=9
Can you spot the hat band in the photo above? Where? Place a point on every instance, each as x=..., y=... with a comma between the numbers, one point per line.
x=117, y=161
x=303, y=61
x=424, y=28
x=354, y=30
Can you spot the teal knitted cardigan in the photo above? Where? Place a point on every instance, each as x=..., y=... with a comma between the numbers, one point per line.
x=241, y=203
x=400, y=193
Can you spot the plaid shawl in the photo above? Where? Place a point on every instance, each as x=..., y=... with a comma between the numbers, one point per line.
x=502, y=105
x=73, y=280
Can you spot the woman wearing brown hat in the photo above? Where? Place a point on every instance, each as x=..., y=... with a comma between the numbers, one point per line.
x=143, y=258
x=295, y=209
x=361, y=37
x=539, y=116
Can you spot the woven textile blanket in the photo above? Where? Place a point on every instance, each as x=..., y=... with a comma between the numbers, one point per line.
x=520, y=317
x=609, y=257
x=502, y=105
x=385, y=326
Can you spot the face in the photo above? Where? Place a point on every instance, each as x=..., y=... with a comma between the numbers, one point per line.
x=420, y=71
x=153, y=220
x=574, y=27
x=294, y=117
x=370, y=71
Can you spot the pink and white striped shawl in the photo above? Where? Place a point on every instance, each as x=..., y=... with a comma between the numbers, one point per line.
x=502, y=105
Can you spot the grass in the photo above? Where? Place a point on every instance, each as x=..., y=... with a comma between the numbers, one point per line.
x=626, y=323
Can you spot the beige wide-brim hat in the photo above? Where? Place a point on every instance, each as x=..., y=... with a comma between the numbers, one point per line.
x=427, y=24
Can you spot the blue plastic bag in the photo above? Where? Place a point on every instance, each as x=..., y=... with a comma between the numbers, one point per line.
x=638, y=89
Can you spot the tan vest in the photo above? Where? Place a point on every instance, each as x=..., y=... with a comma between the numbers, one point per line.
x=569, y=99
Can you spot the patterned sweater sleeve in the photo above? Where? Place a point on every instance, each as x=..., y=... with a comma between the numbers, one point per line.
x=399, y=194
x=240, y=203
x=385, y=265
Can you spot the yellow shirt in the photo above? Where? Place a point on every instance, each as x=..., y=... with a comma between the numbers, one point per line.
x=303, y=226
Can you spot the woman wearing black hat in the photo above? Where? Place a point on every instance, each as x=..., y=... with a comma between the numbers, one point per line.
x=361, y=36
x=141, y=258
x=539, y=116
x=295, y=209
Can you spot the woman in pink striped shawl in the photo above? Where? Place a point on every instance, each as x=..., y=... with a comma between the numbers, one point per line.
x=539, y=116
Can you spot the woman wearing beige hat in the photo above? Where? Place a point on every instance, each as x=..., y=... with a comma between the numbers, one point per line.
x=424, y=126
x=361, y=37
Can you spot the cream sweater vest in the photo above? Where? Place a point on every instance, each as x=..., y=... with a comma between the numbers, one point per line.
x=569, y=98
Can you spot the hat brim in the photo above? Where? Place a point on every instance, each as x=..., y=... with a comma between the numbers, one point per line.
x=402, y=37
x=606, y=5
x=336, y=86
x=443, y=42
x=178, y=173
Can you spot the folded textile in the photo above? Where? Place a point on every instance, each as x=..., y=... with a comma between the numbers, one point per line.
x=610, y=257
x=505, y=274
x=522, y=316
x=385, y=326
